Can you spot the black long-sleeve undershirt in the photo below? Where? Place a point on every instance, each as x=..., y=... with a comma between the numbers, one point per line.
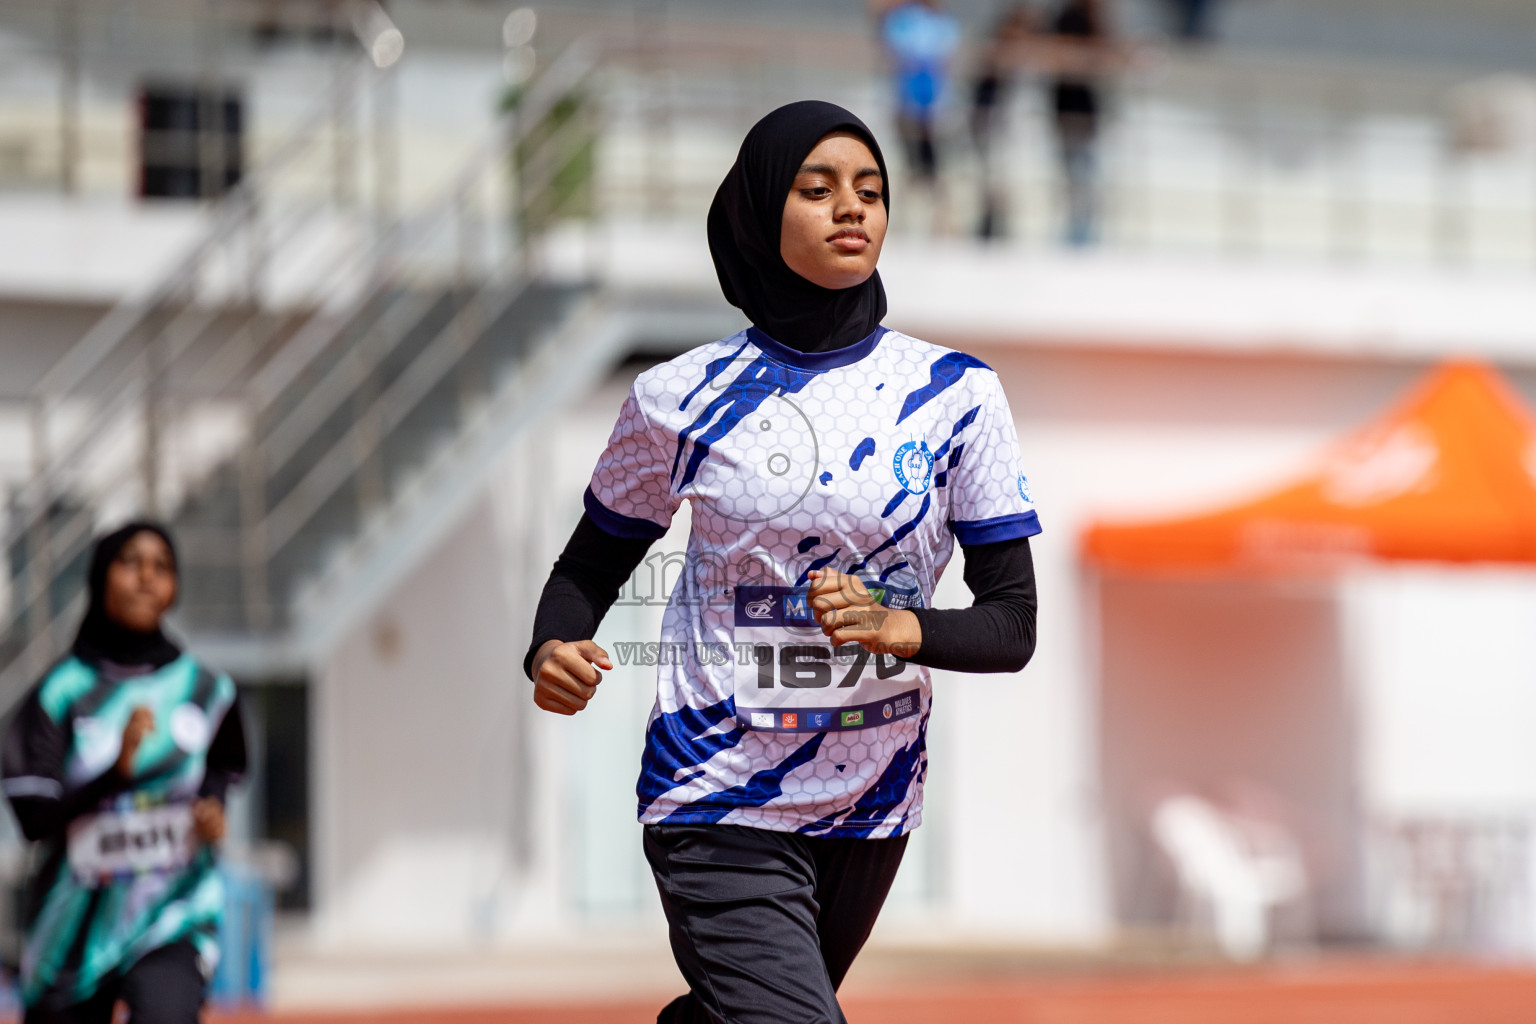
x=995, y=634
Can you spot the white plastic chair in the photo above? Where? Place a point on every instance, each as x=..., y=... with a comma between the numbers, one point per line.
x=1239, y=870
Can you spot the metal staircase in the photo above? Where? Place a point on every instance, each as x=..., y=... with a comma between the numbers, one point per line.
x=398, y=354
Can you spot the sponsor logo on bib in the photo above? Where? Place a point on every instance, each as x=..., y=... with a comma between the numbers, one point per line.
x=796, y=609
x=853, y=718
x=791, y=721
x=886, y=711
x=819, y=719
x=759, y=609
x=762, y=719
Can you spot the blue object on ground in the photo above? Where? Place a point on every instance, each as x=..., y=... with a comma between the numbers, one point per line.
x=245, y=939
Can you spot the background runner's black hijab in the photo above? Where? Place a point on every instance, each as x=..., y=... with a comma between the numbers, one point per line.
x=100, y=638
x=744, y=223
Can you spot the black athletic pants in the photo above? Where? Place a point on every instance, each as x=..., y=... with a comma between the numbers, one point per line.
x=764, y=925
x=166, y=986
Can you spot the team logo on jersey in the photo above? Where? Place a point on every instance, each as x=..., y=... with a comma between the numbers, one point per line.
x=97, y=744
x=760, y=609
x=913, y=463
x=1024, y=489
x=190, y=728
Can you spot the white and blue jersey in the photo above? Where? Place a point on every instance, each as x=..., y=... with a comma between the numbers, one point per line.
x=869, y=460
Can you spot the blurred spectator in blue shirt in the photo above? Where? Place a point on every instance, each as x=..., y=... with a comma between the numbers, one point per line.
x=920, y=39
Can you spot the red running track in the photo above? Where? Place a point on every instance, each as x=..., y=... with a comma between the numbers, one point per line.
x=1424, y=994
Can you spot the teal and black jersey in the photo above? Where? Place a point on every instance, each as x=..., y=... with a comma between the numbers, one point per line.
x=121, y=871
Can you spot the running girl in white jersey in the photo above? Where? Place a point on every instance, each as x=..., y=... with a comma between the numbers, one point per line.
x=830, y=463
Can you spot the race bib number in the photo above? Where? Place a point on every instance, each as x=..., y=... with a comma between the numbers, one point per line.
x=118, y=843
x=789, y=678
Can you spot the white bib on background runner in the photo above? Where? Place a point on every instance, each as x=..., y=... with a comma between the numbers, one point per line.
x=115, y=844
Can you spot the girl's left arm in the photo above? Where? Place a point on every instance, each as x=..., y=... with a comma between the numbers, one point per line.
x=226, y=755
x=995, y=634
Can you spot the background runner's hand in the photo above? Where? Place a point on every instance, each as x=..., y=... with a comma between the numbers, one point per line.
x=563, y=675
x=849, y=614
x=140, y=724
x=208, y=819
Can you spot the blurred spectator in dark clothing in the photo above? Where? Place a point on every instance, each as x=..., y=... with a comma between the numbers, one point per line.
x=1191, y=21
x=920, y=39
x=999, y=64
x=1077, y=102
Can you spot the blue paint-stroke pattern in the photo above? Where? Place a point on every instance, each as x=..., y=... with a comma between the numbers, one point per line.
x=761, y=788
x=675, y=742
x=960, y=424
x=898, y=536
x=865, y=449
x=942, y=478
x=806, y=543
x=946, y=370
x=820, y=563
x=878, y=802
x=826, y=478
x=892, y=568
x=896, y=499
x=762, y=379
x=711, y=371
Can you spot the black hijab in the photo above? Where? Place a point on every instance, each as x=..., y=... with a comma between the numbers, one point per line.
x=744, y=223
x=101, y=639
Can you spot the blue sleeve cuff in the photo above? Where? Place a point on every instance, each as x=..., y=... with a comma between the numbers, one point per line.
x=993, y=531
x=620, y=525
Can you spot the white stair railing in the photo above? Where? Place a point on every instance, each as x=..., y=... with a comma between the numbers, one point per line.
x=467, y=242
x=108, y=461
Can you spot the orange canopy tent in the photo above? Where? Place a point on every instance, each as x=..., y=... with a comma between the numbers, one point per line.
x=1448, y=475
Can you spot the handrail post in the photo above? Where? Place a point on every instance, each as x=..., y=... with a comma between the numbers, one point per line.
x=253, y=529
x=1346, y=222
x=516, y=200
x=468, y=237
x=1450, y=228
x=69, y=95
x=343, y=145
x=152, y=370
x=256, y=252
x=386, y=149
x=40, y=549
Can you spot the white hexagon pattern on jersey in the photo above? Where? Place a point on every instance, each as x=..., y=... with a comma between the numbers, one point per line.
x=869, y=461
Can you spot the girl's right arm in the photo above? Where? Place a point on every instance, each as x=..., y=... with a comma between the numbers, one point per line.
x=33, y=769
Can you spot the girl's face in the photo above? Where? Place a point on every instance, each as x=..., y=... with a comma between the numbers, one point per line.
x=834, y=218
x=141, y=583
